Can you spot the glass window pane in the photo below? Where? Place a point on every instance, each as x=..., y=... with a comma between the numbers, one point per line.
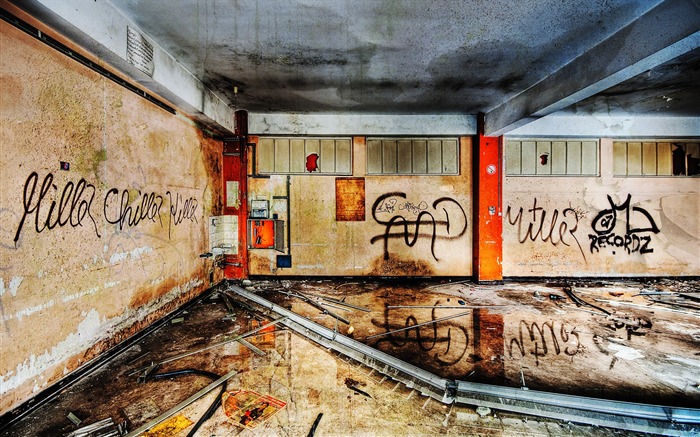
x=619, y=158
x=589, y=157
x=374, y=156
x=513, y=158
x=634, y=159
x=573, y=157
x=420, y=157
x=529, y=157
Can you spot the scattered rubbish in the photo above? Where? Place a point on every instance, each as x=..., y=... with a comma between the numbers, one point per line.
x=246, y=282
x=446, y=284
x=217, y=344
x=315, y=304
x=556, y=297
x=171, y=412
x=249, y=409
x=579, y=302
x=461, y=302
x=170, y=427
x=337, y=302
x=255, y=349
x=442, y=319
x=352, y=385
x=648, y=308
x=312, y=431
x=616, y=293
x=444, y=306
x=73, y=418
x=177, y=320
x=522, y=378
x=103, y=428
x=483, y=411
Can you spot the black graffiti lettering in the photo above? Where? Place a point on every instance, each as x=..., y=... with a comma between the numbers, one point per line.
x=429, y=337
x=386, y=205
x=540, y=347
x=414, y=209
x=387, y=202
x=606, y=221
x=72, y=207
x=181, y=210
x=547, y=230
x=125, y=215
x=634, y=327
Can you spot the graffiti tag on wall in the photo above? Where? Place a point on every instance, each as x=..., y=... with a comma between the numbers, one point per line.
x=630, y=239
x=445, y=221
x=558, y=228
x=49, y=206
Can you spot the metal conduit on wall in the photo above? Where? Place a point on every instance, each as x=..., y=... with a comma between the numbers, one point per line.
x=658, y=419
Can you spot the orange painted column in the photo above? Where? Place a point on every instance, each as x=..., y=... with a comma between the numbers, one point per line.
x=488, y=217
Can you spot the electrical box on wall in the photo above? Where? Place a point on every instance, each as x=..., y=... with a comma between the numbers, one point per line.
x=259, y=209
x=266, y=234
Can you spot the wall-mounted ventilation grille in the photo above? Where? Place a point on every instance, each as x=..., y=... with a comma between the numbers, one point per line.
x=53, y=43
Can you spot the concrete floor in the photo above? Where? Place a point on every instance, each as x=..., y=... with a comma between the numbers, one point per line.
x=513, y=334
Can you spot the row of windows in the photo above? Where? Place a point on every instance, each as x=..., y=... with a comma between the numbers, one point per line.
x=580, y=158
x=551, y=158
x=634, y=158
x=440, y=156
x=424, y=156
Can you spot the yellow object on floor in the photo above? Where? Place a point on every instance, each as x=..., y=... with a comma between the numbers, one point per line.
x=169, y=428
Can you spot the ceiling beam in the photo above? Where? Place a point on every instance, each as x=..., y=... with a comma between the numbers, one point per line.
x=663, y=33
x=101, y=29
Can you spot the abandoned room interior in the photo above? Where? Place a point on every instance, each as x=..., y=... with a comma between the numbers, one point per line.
x=367, y=217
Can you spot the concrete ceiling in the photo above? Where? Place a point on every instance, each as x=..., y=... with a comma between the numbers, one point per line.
x=512, y=60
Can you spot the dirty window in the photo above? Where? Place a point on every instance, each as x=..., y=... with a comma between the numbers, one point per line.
x=298, y=155
x=551, y=157
x=413, y=156
x=656, y=158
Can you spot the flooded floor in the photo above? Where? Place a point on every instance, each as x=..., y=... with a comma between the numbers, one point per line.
x=629, y=341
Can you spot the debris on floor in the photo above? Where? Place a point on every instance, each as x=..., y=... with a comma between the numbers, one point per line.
x=634, y=341
x=170, y=427
x=249, y=409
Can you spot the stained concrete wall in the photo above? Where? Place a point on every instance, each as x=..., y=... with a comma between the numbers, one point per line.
x=93, y=253
x=380, y=245
x=584, y=226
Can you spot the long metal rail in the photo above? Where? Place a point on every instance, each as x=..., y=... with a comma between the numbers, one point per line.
x=658, y=419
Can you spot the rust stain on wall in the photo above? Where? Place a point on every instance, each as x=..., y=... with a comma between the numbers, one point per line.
x=396, y=266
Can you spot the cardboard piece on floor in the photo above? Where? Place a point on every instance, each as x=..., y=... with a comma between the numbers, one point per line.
x=249, y=409
x=169, y=428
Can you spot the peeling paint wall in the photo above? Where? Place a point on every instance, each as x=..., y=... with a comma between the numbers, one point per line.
x=380, y=245
x=94, y=250
x=601, y=226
